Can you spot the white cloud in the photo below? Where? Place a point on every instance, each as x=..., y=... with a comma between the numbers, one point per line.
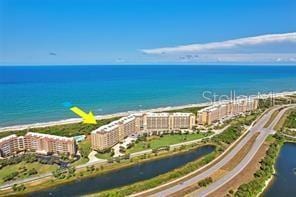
x=226, y=45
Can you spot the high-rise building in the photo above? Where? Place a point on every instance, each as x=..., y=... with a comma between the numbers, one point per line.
x=8, y=145
x=108, y=135
x=37, y=142
x=49, y=144
x=211, y=114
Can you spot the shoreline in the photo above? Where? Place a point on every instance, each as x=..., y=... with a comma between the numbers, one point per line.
x=118, y=114
x=268, y=183
x=98, y=117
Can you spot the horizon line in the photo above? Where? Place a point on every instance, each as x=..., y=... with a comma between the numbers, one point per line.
x=156, y=64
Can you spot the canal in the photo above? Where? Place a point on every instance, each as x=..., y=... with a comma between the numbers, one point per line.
x=125, y=176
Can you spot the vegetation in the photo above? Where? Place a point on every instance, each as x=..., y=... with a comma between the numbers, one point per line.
x=23, y=170
x=18, y=188
x=107, y=154
x=7, y=133
x=84, y=148
x=90, y=168
x=205, y=182
x=285, y=100
x=27, y=158
x=269, y=102
x=121, y=158
x=254, y=187
x=193, y=110
x=291, y=120
x=68, y=130
x=10, y=176
x=156, y=142
x=273, y=116
x=81, y=161
x=62, y=173
x=265, y=103
x=280, y=126
x=32, y=157
x=161, y=179
x=229, y=135
x=287, y=125
x=245, y=119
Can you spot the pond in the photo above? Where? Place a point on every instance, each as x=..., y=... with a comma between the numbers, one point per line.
x=284, y=183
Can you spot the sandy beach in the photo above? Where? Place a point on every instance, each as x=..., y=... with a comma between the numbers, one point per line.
x=119, y=114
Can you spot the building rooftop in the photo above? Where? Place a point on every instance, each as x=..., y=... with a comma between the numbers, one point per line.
x=49, y=136
x=182, y=114
x=8, y=138
x=124, y=120
x=127, y=119
x=225, y=103
x=150, y=114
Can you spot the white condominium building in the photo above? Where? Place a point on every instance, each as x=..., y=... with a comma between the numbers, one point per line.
x=108, y=135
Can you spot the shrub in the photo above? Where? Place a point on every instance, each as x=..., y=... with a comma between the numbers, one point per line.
x=255, y=186
x=32, y=171
x=84, y=148
x=18, y=188
x=205, y=182
x=10, y=176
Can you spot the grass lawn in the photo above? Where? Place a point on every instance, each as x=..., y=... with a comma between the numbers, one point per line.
x=140, y=146
x=41, y=169
x=103, y=155
x=84, y=147
x=80, y=162
x=244, y=119
x=155, y=142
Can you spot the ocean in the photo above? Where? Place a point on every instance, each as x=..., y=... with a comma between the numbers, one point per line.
x=31, y=94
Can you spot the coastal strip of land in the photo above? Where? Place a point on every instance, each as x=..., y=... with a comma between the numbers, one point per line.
x=120, y=114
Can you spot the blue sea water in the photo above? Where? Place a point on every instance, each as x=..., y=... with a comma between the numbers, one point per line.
x=30, y=94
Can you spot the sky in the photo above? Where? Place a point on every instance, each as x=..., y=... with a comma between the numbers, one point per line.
x=62, y=32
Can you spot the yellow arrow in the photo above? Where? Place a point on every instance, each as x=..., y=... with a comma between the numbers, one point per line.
x=88, y=118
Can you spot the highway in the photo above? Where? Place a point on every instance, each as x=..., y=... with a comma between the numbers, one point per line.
x=258, y=127
x=263, y=133
x=104, y=161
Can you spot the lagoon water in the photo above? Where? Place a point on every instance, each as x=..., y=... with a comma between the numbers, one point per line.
x=125, y=176
x=284, y=183
x=30, y=94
